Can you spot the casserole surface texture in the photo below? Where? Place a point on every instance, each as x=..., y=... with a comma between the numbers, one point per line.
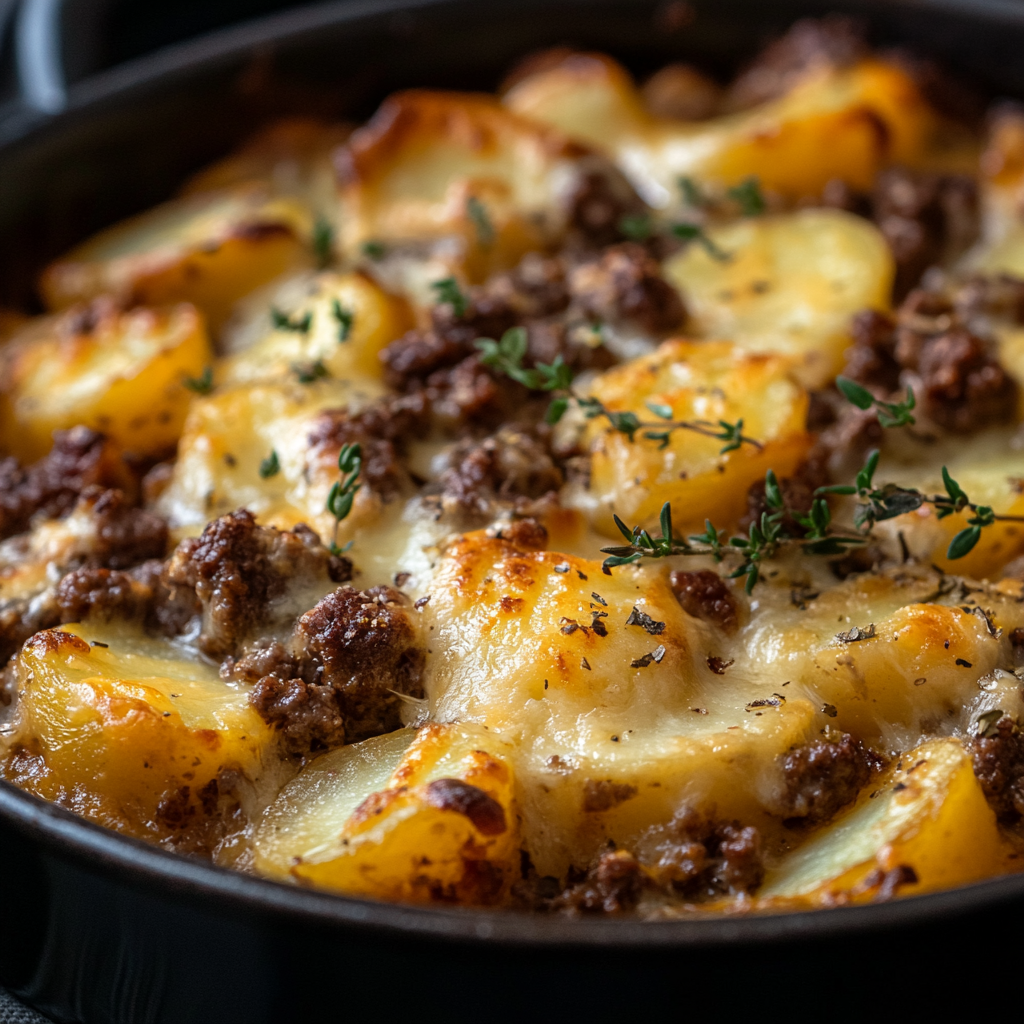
x=600, y=497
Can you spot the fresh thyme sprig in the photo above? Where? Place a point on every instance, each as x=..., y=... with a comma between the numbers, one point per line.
x=769, y=533
x=344, y=318
x=507, y=356
x=448, y=290
x=201, y=385
x=309, y=373
x=323, y=242
x=481, y=219
x=695, y=233
x=880, y=503
x=270, y=466
x=747, y=195
x=283, y=322
x=343, y=491
x=890, y=414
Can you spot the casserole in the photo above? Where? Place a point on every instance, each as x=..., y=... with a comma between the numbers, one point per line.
x=254, y=919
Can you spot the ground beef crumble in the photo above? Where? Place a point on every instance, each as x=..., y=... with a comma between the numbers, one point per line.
x=701, y=858
x=340, y=676
x=233, y=572
x=999, y=767
x=956, y=375
x=80, y=458
x=705, y=595
x=825, y=775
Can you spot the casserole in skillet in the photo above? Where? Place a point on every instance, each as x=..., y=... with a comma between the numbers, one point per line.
x=598, y=792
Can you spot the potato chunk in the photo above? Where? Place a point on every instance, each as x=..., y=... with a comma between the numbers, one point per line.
x=608, y=688
x=709, y=381
x=293, y=157
x=121, y=373
x=229, y=435
x=398, y=817
x=929, y=816
x=132, y=732
x=792, y=284
x=434, y=166
x=338, y=321
x=208, y=249
x=834, y=123
x=989, y=467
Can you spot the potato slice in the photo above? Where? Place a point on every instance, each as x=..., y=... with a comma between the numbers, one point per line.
x=890, y=656
x=708, y=381
x=350, y=319
x=929, y=815
x=121, y=373
x=462, y=169
x=605, y=684
x=834, y=123
x=208, y=249
x=402, y=818
x=791, y=284
x=293, y=157
x=134, y=733
x=989, y=467
x=229, y=435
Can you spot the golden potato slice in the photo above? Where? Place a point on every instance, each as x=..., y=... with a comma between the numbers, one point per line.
x=292, y=156
x=706, y=381
x=461, y=168
x=928, y=816
x=607, y=687
x=249, y=446
x=989, y=467
x=791, y=284
x=208, y=249
x=834, y=123
x=121, y=373
x=396, y=817
x=134, y=733
x=889, y=656
x=337, y=321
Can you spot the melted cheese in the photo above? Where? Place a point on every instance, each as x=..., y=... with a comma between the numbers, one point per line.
x=842, y=124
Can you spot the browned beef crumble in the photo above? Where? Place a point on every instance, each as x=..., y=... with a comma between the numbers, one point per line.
x=340, y=676
x=999, y=767
x=604, y=794
x=522, y=533
x=306, y=714
x=382, y=430
x=124, y=536
x=624, y=285
x=120, y=537
x=700, y=858
x=106, y=594
x=597, y=206
x=366, y=644
x=824, y=775
x=811, y=43
x=927, y=219
x=959, y=382
x=612, y=885
x=80, y=458
x=508, y=467
x=705, y=595
x=233, y=572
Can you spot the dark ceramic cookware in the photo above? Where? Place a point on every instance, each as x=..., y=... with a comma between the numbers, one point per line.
x=102, y=929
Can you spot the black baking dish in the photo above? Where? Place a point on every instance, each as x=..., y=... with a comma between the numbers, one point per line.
x=100, y=928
